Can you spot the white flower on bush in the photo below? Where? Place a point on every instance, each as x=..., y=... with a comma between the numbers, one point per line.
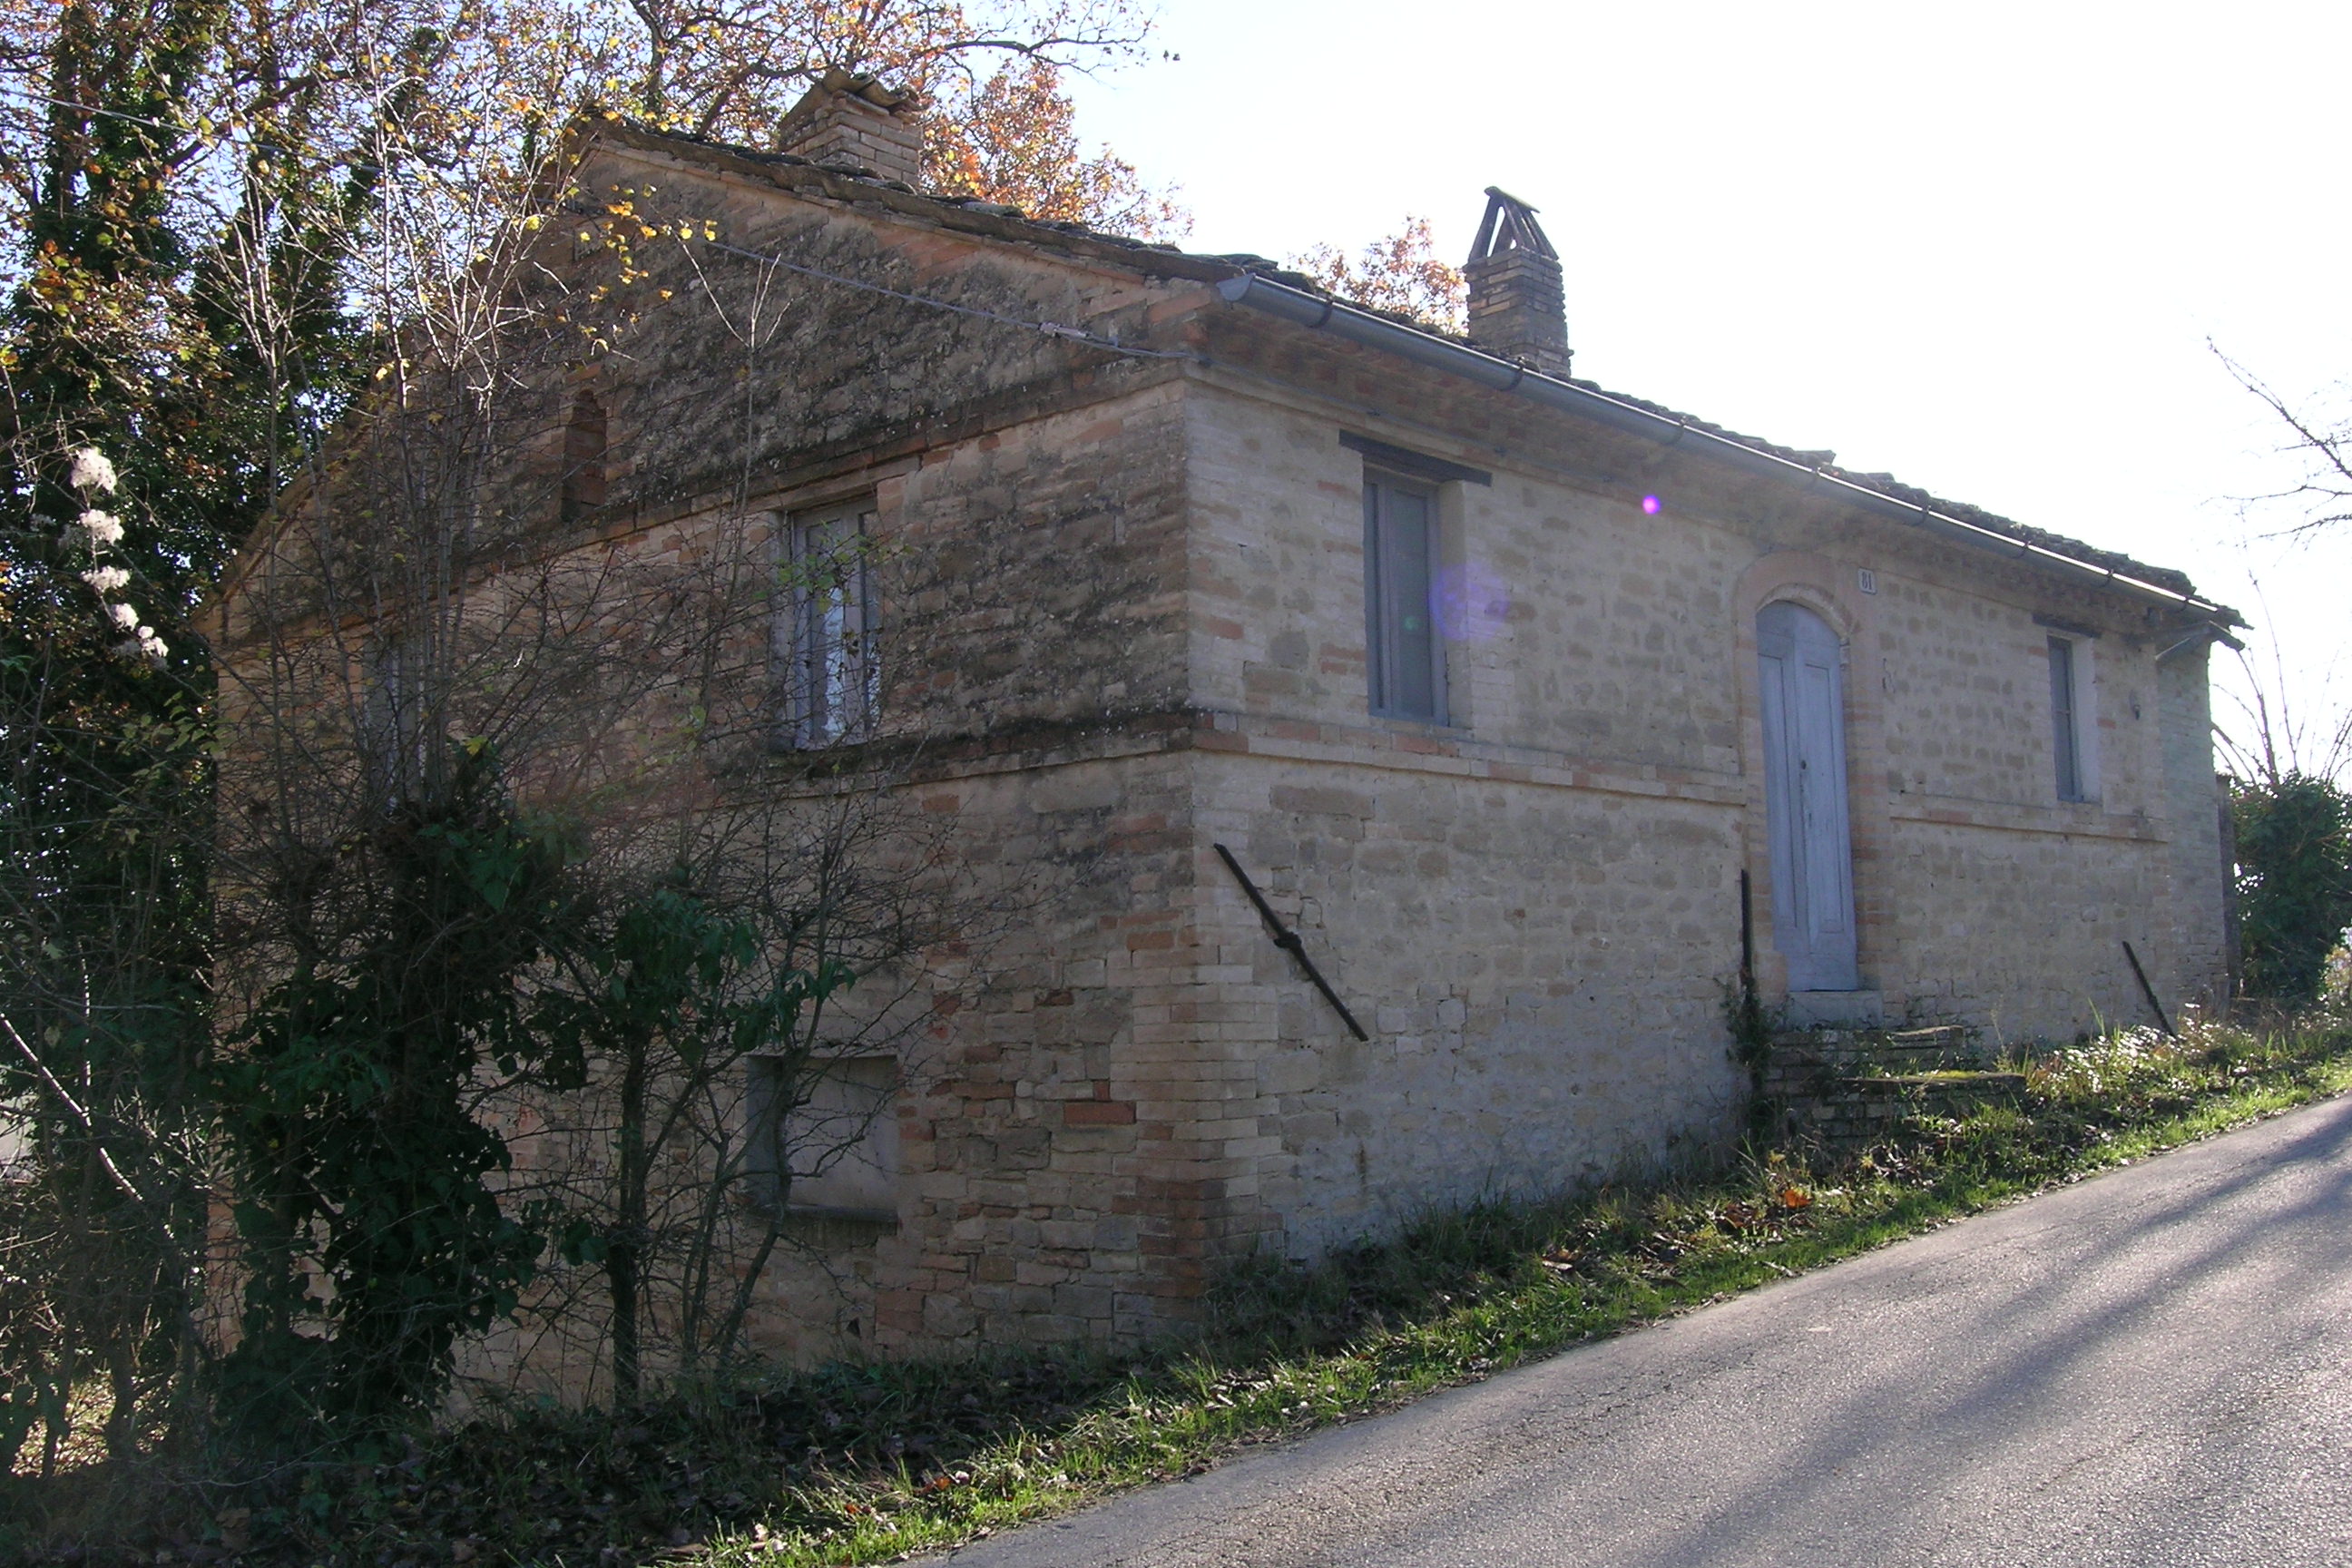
x=91, y=471
x=93, y=475
x=144, y=644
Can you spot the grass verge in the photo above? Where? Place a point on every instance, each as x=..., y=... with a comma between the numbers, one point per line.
x=865, y=1463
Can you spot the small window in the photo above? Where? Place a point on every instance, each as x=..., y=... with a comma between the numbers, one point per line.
x=825, y=1134
x=2066, y=729
x=584, y=442
x=827, y=663
x=1404, y=657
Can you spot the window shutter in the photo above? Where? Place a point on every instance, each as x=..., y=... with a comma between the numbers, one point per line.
x=2065, y=738
x=827, y=654
x=1404, y=655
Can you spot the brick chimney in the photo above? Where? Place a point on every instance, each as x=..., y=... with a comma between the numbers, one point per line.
x=854, y=122
x=1517, y=308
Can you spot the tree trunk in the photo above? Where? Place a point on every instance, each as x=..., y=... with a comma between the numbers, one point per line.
x=624, y=1261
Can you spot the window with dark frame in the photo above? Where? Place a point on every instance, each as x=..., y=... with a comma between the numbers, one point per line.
x=2065, y=726
x=828, y=667
x=1404, y=657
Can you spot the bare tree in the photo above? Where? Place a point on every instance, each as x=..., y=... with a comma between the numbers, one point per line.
x=759, y=982
x=2322, y=496
x=2273, y=733
x=2288, y=727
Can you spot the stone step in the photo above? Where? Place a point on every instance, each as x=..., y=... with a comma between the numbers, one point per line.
x=1937, y=1037
x=1851, y=1009
x=1824, y=1068
x=1939, y=1085
x=1853, y=1113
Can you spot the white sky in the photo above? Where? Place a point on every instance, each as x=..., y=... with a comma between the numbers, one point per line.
x=1980, y=246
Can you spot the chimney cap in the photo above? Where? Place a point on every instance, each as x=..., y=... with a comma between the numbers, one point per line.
x=835, y=85
x=1509, y=225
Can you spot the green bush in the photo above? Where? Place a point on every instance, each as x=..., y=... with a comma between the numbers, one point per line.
x=2295, y=882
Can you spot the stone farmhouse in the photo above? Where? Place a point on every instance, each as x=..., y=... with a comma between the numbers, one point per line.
x=1502, y=690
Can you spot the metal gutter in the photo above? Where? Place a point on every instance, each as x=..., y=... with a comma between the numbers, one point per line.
x=1322, y=314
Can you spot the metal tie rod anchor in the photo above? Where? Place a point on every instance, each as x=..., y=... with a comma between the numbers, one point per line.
x=1291, y=942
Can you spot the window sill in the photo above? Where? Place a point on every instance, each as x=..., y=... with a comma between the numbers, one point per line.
x=835, y=1230
x=797, y=745
x=1401, y=725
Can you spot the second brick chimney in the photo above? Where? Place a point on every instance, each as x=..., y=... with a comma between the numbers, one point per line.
x=854, y=123
x=1519, y=309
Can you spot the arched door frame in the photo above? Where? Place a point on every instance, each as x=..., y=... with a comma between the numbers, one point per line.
x=1827, y=588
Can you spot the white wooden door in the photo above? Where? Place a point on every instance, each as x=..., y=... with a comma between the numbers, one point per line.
x=1803, y=686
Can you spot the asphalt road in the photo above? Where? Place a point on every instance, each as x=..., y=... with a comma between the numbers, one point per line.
x=2153, y=1367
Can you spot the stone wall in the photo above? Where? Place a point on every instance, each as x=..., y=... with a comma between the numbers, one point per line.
x=1533, y=905
x=2019, y=928
x=1035, y=575
x=1046, y=1196
x=1031, y=595
x=741, y=377
x=2194, y=804
x=1539, y=966
x=1575, y=625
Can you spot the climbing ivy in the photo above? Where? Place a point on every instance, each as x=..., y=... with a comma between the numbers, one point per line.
x=352, y=1095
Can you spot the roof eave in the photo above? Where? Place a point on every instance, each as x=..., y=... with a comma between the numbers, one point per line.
x=1321, y=312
